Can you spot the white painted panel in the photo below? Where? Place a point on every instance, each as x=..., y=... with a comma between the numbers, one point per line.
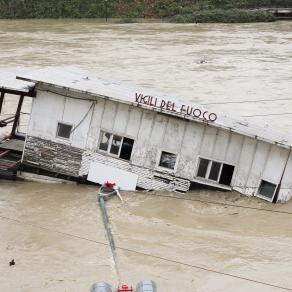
x=78, y=113
x=121, y=119
x=47, y=110
x=208, y=142
x=134, y=121
x=109, y=115
x=101, y=173
x=221, y=145
x=257, y=168
x=190, y=149
x=159, y=128
x=155, y=141
x=234, y=148
x=275, y=164
x=286, y=186
x=245, y=162
x=173, y=135
x=142, y=143
x=94, y=128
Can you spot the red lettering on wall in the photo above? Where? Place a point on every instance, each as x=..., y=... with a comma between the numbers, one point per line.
x=168, y=105
x=138, y=97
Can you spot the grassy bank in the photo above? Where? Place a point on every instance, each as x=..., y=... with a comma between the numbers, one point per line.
x=223, y=16
x=177, y=11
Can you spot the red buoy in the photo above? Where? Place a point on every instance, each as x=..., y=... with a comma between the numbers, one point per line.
x=109, y=185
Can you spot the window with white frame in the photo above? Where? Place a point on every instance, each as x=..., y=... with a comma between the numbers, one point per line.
x=267, y=190
x=116, y=145
x=215, y=171
x=64, y=130
x=167, y=160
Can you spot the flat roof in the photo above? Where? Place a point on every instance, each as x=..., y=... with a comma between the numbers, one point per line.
x=76, y=80
x=10, y=84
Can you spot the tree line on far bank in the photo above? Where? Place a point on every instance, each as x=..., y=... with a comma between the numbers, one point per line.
x=176, y=11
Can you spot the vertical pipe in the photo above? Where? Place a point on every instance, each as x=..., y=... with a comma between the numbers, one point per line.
x=17, y=115
x=106, y=11
x=1, y=100
x=275, y=200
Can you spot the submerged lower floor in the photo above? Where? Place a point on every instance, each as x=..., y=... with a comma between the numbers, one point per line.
x=71, y=161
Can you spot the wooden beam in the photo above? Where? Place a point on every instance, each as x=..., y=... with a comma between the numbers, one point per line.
x=4, y=153
x=17, y=115
x=30, y=93
x=1, y=100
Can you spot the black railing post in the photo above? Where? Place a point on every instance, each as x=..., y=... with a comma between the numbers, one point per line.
x=1, y=100
x=17, y=115
x=106, y=11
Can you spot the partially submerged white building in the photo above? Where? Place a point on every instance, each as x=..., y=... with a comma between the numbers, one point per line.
x=77, y=119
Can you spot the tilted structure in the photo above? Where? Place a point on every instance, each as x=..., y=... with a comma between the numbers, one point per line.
x=78, y=119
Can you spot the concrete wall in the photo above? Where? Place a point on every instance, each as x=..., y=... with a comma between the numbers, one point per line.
x=154, y=132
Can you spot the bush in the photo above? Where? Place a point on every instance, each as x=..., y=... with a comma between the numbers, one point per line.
x=224, y=16
x=180, y=11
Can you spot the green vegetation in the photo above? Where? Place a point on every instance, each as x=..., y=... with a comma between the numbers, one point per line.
x=224, y=16
x=177, y=11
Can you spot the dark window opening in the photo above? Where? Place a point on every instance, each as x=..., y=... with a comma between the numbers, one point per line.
x=64, y=131
x=116, y=144
x=226, y=174
x=215, y=170
x=167, y=160
x=267, y=189
x=104, y=141
x=203, y=167
x=127, y=148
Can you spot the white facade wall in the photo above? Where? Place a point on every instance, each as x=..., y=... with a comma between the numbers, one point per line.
x=154, y=132
x=48, y=109
x=285, y=193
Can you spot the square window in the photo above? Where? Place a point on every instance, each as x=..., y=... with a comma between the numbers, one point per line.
x=267, y=189
x=104, y=140
x=215, y=170
x=64, y=130
x=203, y=167
x=116, y=144
x=167, y=160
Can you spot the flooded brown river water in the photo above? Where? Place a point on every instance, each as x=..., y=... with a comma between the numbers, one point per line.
x=56, y=236
x=246, y=63
x=55, y=233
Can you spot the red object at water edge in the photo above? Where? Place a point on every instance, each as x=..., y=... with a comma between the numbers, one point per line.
x=125, y=288
x=109, y=185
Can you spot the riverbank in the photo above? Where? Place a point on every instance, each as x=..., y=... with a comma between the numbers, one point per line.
x=227, y=11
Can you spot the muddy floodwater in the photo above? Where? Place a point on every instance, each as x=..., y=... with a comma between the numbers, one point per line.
x=55, y=233
x=56, y=236
x=235, y=69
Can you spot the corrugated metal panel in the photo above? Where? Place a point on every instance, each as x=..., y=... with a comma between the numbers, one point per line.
x=148, y=179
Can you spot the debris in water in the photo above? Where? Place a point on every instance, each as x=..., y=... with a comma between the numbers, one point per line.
x=202, y=61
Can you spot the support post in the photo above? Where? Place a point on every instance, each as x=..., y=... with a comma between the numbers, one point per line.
x=106, y=11
x=1, y=100
x=17, y=115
